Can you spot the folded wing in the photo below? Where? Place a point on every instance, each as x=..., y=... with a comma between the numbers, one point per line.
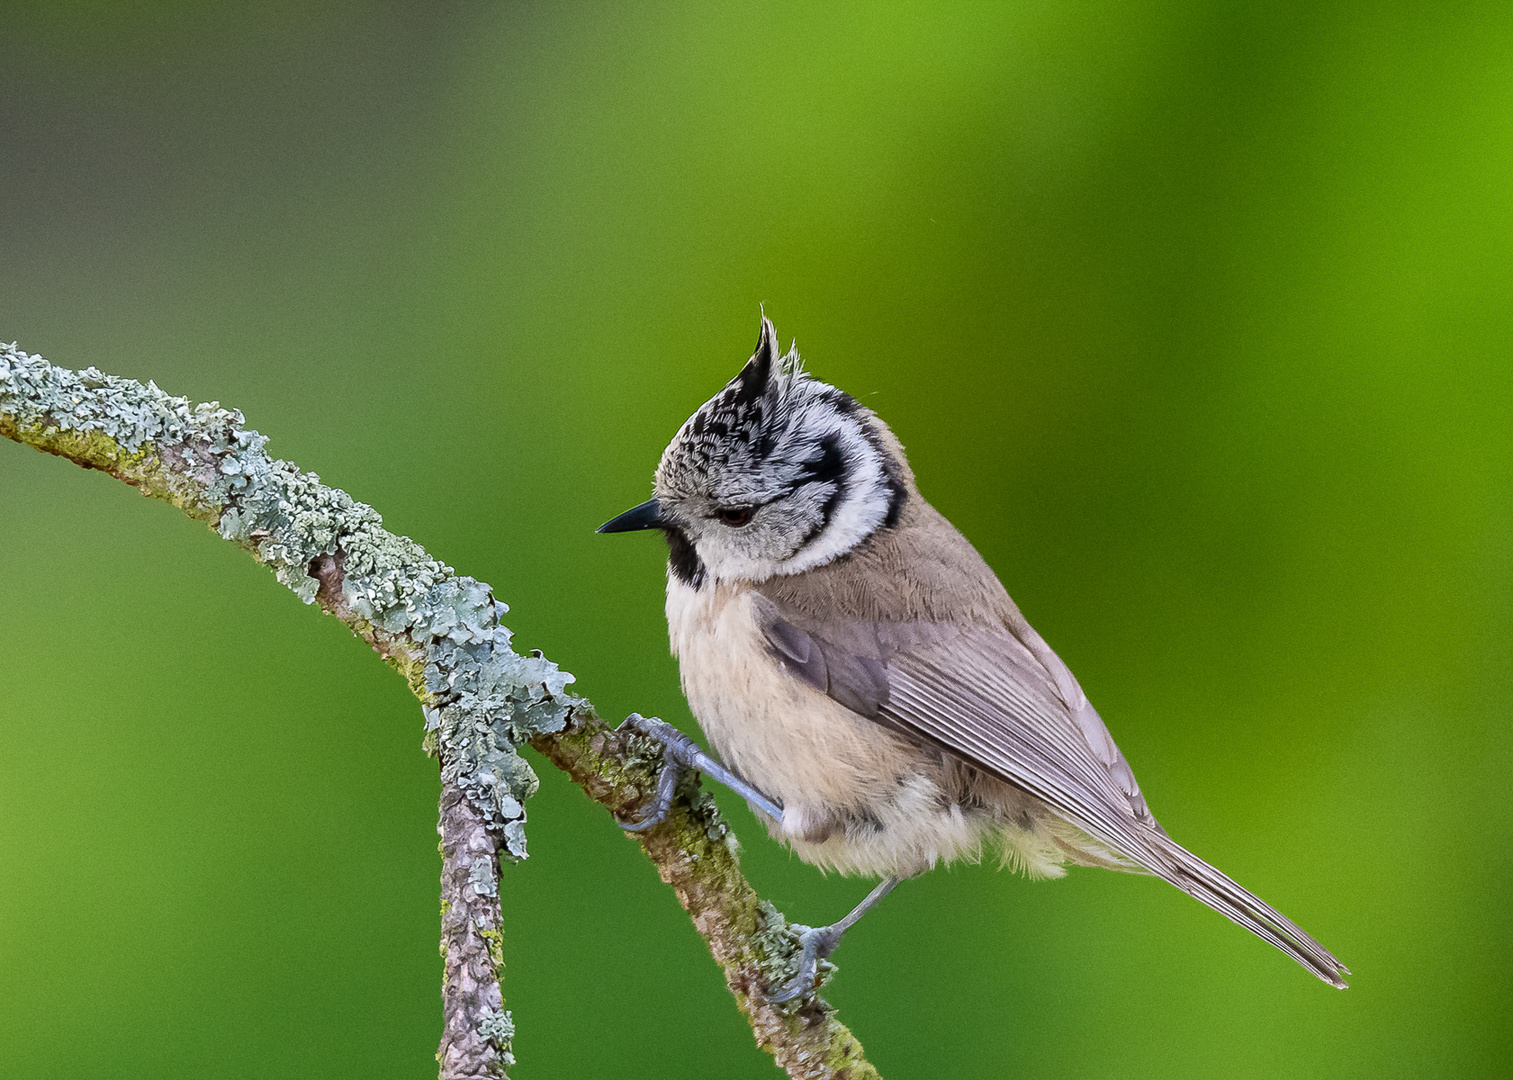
x=1000, y=700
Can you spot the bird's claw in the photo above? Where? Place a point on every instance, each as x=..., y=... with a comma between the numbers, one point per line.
x=680, y=752
x=818, y=942
x=815, y=944
x=656, y=810
x=649, y=820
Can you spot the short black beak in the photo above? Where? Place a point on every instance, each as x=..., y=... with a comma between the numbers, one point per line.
x=646, y=516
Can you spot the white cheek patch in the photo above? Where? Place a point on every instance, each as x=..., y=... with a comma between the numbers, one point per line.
x=864, y=497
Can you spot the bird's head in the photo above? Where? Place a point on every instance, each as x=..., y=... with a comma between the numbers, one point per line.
x=776, y=474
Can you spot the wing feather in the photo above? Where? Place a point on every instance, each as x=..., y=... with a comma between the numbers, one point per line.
x=1001, y=700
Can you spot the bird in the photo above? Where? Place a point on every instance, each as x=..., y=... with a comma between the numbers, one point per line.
x=864, y=679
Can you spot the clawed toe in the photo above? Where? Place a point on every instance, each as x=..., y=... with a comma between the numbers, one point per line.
x=796, y=987
x=657, y=808
x=815, y=943
x=681, y=752
x=651, y=820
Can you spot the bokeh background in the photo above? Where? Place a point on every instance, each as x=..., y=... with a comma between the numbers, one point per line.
x=1194, y=317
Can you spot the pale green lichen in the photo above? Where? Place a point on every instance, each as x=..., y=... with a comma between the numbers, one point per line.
x=499, y=1028
x=481, y=878
x=484, y=699
x=125, y=410
x=494, y=941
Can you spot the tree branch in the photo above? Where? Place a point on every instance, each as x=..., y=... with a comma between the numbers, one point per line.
x=481, y=699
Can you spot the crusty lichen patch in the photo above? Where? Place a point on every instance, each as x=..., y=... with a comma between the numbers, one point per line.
x=440, y=628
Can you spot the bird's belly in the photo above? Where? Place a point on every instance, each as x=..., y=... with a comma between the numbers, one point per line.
x=855, y=796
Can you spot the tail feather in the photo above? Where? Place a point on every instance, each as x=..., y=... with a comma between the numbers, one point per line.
x=1211, y=886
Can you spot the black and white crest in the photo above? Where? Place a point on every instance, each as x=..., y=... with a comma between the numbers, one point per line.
x=776, y=473
x=738, y=415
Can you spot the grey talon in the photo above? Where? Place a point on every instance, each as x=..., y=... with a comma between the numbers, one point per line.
x=815, y=944
x=661, y=802
x=682, y=752
x=818, y=942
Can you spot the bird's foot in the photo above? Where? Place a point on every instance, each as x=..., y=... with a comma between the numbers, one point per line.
x=815, y=944
x=818, y=942
x=675, y=756
x=680, y=752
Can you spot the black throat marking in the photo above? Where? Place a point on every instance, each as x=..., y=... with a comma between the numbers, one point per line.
x=683, y=560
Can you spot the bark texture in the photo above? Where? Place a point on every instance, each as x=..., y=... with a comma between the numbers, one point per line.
x=474, y=1023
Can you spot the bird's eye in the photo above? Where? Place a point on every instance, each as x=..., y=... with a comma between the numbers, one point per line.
x=734, y=516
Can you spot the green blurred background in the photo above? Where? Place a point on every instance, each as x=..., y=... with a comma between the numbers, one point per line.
x=1193, y=316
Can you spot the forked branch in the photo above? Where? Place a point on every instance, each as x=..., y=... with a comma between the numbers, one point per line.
x=481, y=700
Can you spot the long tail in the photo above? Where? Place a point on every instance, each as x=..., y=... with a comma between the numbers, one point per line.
x=1174, y=863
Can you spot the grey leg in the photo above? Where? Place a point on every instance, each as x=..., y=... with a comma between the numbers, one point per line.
x=820, y=941
x=681, y=752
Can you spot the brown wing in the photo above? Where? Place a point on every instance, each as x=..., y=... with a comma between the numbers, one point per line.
x=1009, y=706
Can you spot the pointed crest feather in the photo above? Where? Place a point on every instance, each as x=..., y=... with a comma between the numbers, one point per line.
x=752, y=381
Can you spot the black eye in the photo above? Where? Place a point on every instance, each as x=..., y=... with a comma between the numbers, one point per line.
x=734, y=516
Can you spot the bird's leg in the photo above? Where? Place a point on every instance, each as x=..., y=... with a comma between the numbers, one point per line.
x=818, y=942
x=680, y=752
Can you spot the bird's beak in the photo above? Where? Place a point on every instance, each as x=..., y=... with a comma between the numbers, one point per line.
x=646, y=516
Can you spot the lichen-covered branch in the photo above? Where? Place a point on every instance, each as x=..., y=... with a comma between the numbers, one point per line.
x=482, y=700
x=695, y=852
